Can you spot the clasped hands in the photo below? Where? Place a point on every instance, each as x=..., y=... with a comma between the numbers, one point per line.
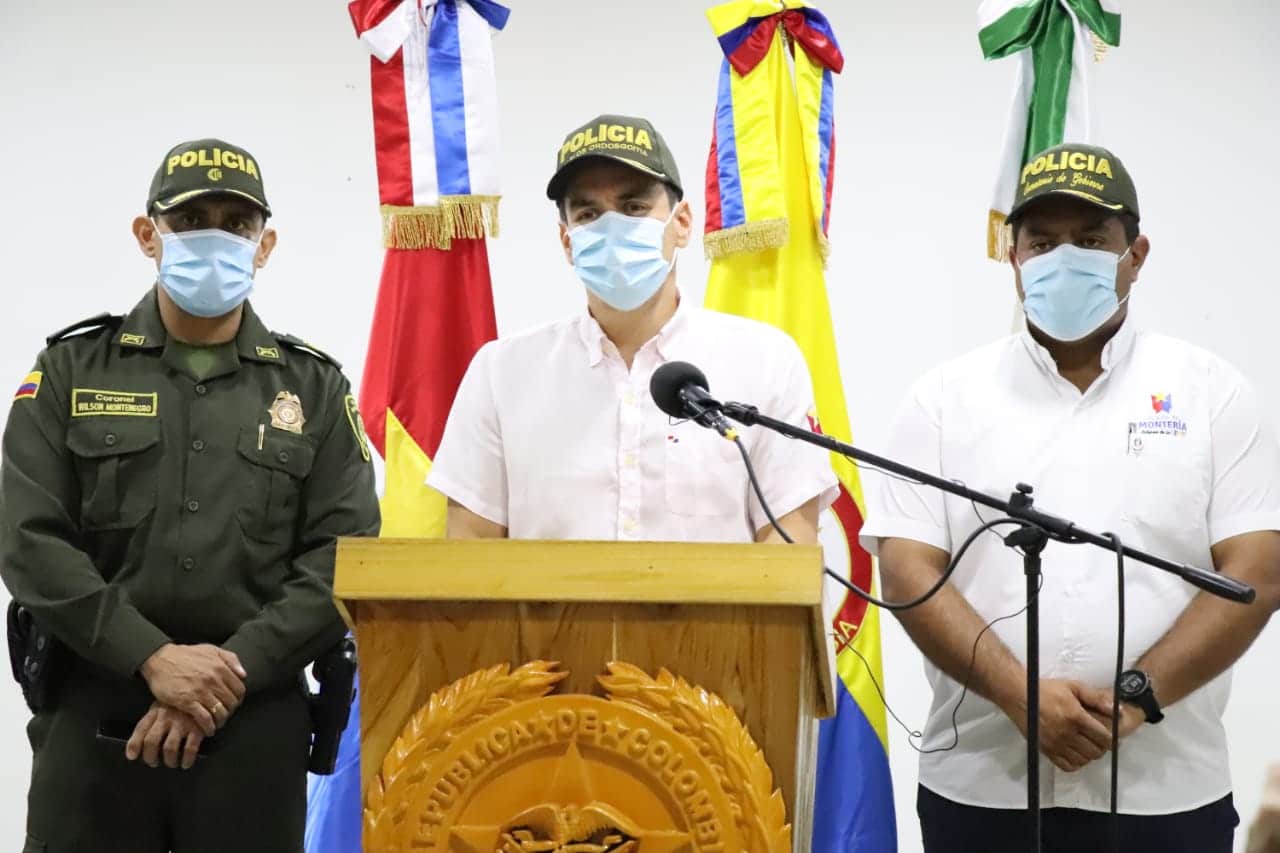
x=1075, y=722
x=196, y=689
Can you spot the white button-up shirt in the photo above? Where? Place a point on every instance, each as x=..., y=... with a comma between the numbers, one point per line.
x=554, y=438
x=1167, y=449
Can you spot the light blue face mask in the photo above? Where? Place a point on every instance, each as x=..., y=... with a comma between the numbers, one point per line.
x=208, y=272
x=1069, y=293
x=619, y=257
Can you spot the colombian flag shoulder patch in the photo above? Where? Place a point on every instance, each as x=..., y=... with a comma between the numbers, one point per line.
x=30, y=386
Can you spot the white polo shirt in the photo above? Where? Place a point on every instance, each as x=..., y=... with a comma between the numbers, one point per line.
x=553, y=437
x=1167, y=449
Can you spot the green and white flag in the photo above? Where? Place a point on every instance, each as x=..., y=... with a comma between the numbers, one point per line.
x=1056, y=42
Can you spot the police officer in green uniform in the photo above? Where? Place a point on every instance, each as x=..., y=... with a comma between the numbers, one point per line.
x=172, y=486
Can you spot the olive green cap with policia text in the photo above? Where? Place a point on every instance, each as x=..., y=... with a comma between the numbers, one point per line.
x=205, y=167
x=1084, y=171
x=624, y=139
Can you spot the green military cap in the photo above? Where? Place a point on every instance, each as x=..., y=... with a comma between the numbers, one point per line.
x=1084, y=171
x=628, y=140
x=203, y=167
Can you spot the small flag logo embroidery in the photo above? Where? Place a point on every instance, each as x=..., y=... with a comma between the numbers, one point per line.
x=30, y=386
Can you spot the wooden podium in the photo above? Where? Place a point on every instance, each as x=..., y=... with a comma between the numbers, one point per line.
x=458, y=695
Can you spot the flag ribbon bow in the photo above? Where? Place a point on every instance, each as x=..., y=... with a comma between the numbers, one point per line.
x=746, y=208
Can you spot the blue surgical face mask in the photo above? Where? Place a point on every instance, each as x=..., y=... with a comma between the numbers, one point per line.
x=1069, y=293
x=208, y=272
x=619, y=258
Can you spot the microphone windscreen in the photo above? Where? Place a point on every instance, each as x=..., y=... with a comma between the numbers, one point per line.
x=667, y=381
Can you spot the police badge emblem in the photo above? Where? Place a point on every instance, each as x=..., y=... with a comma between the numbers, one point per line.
x=286, y=413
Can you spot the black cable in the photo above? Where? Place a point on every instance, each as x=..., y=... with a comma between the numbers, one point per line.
x=946, y=575
x=845, y=582
x=914, y=734
x=862, y=466
x=1115, y=696
x=942, y=579
x=755, y=487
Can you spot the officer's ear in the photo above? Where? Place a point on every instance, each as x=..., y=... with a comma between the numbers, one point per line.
x=265, y=246
x=148, y=237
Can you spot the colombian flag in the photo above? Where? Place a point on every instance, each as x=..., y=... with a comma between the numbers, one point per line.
x=30, y=386
x=773, y=153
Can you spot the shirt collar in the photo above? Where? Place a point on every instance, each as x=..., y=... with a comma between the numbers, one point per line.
x=1114, y=352
x=669, y=340
x=144, y=329
x=254, y=342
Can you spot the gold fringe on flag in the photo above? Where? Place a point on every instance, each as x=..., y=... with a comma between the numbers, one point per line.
x=456, y=216
x=750, y=237
x=999, y=237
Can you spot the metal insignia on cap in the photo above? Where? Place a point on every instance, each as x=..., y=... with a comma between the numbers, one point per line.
x=286, y=413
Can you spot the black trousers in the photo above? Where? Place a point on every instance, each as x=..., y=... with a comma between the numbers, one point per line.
x=950, y=827
x=247, y=794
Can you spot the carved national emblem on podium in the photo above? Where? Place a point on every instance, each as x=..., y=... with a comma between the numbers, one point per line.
x=496, y=763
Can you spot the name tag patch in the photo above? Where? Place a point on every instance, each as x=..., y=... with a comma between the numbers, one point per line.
x=86, y=402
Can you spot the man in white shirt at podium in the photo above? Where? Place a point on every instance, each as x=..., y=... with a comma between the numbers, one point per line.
x=553, y=434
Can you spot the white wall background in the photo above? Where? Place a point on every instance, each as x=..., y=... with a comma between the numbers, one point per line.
x=91, y=96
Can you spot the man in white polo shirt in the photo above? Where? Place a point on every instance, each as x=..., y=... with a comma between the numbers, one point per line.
x=1118, y=430
x=553, y=434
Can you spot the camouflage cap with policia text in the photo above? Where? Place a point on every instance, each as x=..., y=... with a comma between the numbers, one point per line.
x=204, y=167
x=1084, y=171
x=624, y=139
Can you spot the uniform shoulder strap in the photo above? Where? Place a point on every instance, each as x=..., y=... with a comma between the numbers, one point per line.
x=97, y=321
x=300, y=345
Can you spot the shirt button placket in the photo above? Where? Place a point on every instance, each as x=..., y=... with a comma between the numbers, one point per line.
x=629, y=489
x=195, y=472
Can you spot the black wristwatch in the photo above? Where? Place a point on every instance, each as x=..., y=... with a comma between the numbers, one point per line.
x=1136, y=689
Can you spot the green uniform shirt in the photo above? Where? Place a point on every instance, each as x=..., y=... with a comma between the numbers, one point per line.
x=142, y=505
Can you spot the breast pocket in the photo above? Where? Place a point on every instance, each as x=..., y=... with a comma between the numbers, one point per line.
x=704, y=475
x=276, y=470
x=118, y=466
x=1166, y=495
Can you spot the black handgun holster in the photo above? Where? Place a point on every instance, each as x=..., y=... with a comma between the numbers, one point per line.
x=36, y=658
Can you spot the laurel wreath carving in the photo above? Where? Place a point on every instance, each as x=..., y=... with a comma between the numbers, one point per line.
x=721, y=739
x=449, y=712
x=693, y=712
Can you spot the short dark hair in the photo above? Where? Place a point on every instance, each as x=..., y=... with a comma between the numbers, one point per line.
x=673, y=198
x=1128, y=222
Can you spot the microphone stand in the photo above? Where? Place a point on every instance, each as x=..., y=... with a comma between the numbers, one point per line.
x=1032, y=537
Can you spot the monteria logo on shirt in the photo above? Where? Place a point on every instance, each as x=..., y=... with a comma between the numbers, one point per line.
x=86, y=402
x=1166, y=425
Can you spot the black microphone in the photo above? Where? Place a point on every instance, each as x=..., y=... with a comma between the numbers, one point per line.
x=680, y=390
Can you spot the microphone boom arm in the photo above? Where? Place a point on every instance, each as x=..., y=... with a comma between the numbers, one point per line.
x=1020, y=507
